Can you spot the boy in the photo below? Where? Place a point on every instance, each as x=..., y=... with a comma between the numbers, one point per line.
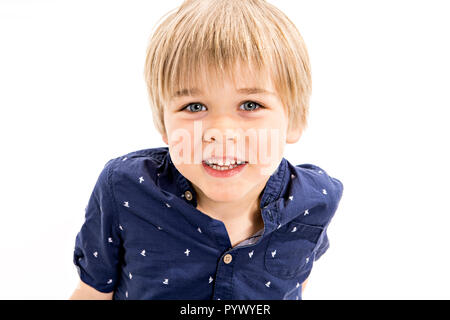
x=213, y=215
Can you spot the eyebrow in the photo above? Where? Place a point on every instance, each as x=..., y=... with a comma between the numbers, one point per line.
x=196, y=91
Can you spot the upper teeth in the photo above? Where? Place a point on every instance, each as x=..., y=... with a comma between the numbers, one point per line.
x=226, y=163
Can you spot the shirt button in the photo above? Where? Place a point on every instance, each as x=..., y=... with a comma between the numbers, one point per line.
x=227, y=258
x=188, y=195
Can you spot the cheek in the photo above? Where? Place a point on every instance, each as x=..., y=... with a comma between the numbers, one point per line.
x=270, y=145
x=181, y=145
x=174, y=122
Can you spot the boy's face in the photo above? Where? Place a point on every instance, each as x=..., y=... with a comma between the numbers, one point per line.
x=221, y=122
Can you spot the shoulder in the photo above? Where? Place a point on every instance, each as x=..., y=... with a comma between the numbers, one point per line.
x=156, y=155
x=319, y=175
x=136, y=162
x=320, y=182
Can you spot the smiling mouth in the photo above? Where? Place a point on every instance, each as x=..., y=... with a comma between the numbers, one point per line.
x=224, y=164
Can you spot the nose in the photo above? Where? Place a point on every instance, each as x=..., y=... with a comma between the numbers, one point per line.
x=222, y=142
x=223, y=135
x=220, y=128
x=220, y=134
x=215, y=135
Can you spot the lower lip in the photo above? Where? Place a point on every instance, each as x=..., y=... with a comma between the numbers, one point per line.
x=223, y=173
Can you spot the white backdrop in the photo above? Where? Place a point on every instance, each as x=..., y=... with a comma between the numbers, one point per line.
x=72, y=96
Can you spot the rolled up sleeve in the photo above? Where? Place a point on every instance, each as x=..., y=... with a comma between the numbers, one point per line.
x=97, y=244
x=335, y=191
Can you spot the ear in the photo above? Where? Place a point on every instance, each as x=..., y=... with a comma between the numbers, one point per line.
x=293, y=135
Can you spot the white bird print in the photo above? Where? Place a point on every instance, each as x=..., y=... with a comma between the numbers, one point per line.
x=306, y=212
x=143, y=253
x=187, y=252
x=125, y=203
x=320, y=171
x=166, y=281
x=141, y=179
x=124, y=159
x=168, y=205
x=291, y=197
x=268, y=284
x=274, y=253
x=324, y=191
x=109, y=281
x=298, y=285
x=292, y=176
x=130, y=275
x=307, y=260
x=95, y=254
x=210, y=279
x=199, y=230
x=126, y=294
x=279, y=226
x=159, y=228
x=120, y=227
x=250, y=254
x=294, y=229
x=110, y=239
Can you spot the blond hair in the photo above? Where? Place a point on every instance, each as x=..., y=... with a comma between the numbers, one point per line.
x=204, y=36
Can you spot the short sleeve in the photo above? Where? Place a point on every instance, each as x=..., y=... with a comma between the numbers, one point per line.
x=97, y=244
x=336, y=189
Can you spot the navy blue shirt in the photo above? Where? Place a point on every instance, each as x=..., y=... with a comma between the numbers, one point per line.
x=143, y=237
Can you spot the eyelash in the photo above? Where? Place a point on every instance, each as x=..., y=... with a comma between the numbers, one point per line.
x=254, y=110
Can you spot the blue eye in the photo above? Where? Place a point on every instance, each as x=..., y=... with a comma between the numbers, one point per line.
x=248, y=106
x=252, y=105
x=197, y=108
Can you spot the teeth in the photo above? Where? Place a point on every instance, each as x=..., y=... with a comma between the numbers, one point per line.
x=222, y=168
x=220, y=165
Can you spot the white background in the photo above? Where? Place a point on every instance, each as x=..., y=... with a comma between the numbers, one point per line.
x=72, y=96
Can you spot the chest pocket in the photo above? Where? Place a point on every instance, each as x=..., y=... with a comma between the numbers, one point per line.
x=290, y=249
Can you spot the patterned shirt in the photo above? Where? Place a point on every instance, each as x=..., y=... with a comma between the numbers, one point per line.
x=144, y=238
